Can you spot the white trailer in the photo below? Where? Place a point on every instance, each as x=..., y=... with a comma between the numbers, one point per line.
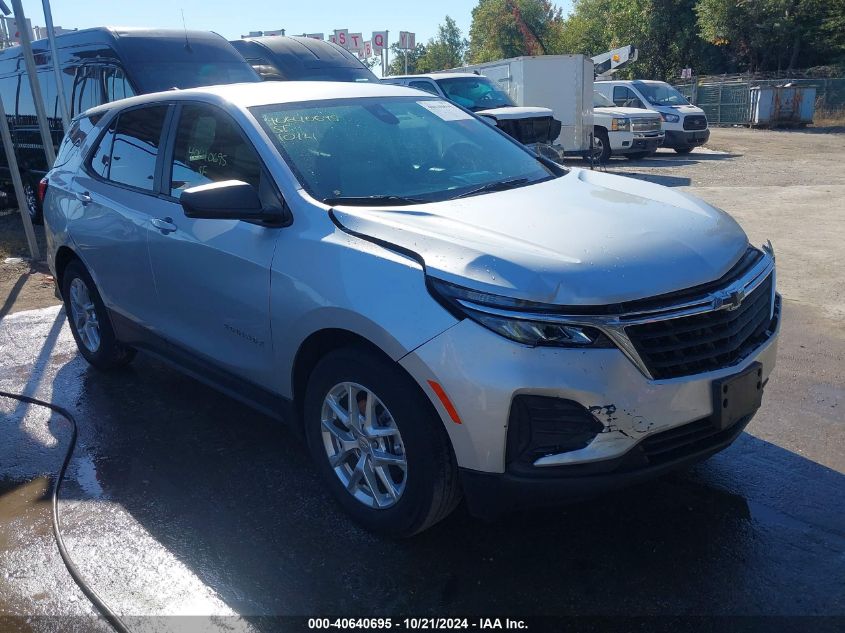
x=563, y=83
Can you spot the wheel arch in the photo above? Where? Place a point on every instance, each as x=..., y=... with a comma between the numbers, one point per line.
x=323, y=341
x=64, y=256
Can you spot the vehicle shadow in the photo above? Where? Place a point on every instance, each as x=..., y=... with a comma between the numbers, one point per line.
x=671, y=159
x=660, y=179
x=232, y=495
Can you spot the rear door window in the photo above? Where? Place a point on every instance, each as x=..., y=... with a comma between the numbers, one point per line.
x=210, y=147
x=135, y=147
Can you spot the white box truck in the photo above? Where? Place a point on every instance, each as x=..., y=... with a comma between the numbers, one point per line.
x=563, y=83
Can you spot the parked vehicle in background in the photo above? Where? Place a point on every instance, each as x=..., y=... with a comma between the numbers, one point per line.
x=532, y=126
x=684, y=124
x=284, y=58
x=631, y=132
x=562, y=83
x=436, y=307
x=101, y=65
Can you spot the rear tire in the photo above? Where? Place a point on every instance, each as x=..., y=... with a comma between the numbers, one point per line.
x=33, y=207
x=637, y=155
x=683, y=150
x=401, y=425
x=89, y=320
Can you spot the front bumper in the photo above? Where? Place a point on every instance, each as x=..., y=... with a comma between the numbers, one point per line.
x=490, y=494
x=682, y=138
x=641, y=142
x=482, y=373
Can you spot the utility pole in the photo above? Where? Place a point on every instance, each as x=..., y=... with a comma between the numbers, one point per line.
x=385, y=54
x=54, y=53
x=29, y=61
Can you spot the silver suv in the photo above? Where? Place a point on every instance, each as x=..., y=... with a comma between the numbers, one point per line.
x=439, y=310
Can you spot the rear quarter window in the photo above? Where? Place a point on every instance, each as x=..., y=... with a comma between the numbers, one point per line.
x=79, y=130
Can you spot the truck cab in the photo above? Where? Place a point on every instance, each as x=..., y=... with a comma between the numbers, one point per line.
x=684, y=124
x=532, y=126
x=632, y=132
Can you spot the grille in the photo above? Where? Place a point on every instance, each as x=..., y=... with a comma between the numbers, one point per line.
x=645, y=125
x=704, y=342
x=533, y=130
x=695, y=122
x=686, y=439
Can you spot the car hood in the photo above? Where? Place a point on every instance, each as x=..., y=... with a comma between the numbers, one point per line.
x=683, y=109
x=626, y=112
x=516, y=112
x=586, y=238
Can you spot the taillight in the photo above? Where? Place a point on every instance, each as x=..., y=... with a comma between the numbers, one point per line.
x=42, y=189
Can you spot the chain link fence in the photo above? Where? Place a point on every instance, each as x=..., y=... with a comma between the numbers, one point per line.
x=726, y=99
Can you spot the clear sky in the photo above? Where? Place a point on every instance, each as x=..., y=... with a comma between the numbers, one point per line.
x=233, y=19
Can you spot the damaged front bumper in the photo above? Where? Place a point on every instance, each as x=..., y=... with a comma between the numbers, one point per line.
x=483, y=373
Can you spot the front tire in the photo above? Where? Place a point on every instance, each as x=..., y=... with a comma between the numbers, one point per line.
x=683, y=150
x=601, y=141
x=89, y=320
x=378, y=443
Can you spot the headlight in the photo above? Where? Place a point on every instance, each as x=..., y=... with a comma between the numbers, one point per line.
x=620, y=125
x=670, y=118
x=525, y=322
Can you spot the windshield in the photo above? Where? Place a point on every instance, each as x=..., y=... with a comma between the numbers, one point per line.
x=600, y=101
x=661, y=94
x=474, y=93
x=158, y=76
x=396, y=147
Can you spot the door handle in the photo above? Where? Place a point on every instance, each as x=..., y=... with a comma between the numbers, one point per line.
x=83, y=197
x=165, y=225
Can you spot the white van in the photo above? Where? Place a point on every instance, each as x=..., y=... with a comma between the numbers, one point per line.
x=685, y=125
x=633, y=132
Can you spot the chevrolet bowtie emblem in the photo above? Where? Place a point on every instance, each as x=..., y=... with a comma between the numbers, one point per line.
x=728, y=300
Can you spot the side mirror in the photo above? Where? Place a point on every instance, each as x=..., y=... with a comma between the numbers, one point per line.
x=227, y=200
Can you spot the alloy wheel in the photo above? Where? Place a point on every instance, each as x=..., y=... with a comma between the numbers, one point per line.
x=31, y=200
x=363, y=445
x=84, y=315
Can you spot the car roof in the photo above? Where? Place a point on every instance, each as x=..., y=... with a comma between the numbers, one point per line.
x=434, y=76
x=306, y=48
x=246, y=95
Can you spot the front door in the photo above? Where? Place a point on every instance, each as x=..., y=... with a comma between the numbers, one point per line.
x=213, y=276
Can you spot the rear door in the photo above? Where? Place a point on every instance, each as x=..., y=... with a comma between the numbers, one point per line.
x=213, y=276
x=114, y=201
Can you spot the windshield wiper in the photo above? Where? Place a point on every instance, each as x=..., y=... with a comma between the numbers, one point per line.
x=500, y=185
x=373, y=200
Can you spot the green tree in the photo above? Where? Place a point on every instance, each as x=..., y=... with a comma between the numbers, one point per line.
x=510, y=28
x=761, y=35
x=397, y=59
x=447, y=50
x=664, y=31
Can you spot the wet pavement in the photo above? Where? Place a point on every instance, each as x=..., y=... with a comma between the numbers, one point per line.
x=182, y=501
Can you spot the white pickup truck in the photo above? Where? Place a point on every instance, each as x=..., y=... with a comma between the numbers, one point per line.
x=632, y=132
